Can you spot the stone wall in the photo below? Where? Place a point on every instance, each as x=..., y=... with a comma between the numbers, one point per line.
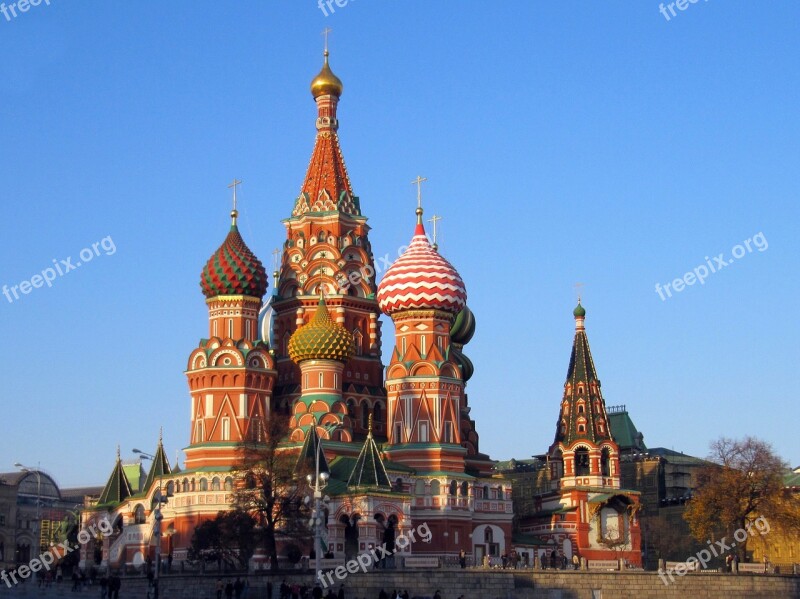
x=498, y=584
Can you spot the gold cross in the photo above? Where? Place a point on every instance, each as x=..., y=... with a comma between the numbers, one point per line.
x=236, y=183
x=578, y=287
x=418, y=182
x=325, y=32
x=434, y=220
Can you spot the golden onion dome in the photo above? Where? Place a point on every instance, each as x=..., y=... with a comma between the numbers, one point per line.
x=321, y=339
x=326, y=83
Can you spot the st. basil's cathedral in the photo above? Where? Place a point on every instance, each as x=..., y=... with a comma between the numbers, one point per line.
x=397, y=441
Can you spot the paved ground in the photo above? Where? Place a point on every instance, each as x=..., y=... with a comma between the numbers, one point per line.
x=31, y=591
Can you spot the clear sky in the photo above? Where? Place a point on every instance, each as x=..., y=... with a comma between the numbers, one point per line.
x=564, y=142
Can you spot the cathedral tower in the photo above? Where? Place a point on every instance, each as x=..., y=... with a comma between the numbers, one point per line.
x=327, y=250
x=423, y=293
x=583, y=453
x=231, y=374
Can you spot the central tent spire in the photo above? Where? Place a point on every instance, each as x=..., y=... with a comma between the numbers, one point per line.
x=326, y=187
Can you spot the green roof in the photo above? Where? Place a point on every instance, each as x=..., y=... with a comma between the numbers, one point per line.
x=159, y=468
x=307, y=460
x=369, y=471
x=118, y=488
x=135, y=475
x=623, y=430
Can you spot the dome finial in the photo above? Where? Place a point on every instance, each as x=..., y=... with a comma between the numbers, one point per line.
x=326, y=83
x=435, y=219
x=418, y=182
x=234, y=212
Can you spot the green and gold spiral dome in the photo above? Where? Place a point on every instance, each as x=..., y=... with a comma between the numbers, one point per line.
x=321, y=339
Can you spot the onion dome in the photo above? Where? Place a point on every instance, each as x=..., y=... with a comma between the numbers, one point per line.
x=234, y=269
x=326, y=83
x=421, y=279
x=464, y=327
x=467, y=368
x=321, y=339
x=579, y=311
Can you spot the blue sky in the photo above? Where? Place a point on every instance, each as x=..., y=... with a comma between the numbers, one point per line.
x=564, y=142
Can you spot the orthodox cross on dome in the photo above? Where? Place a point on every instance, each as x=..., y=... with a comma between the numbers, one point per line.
x=325, y=33
x=234, y=185
x=418, y=182
x=435, y=219
x=578, y=287
x=276, y=256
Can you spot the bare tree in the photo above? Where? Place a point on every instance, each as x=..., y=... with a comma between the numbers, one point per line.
x=269, y=489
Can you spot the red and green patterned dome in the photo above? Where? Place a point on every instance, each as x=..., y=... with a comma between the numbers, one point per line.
x=234, y=270
x=321, y=339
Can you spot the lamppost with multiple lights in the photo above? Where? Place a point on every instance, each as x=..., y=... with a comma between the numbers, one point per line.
x=160, y=499
x=317, y=482
x=38, y=523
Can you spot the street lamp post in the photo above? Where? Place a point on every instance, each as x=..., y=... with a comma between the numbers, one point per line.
x=158, y=517
x=318, y=483
x=38, y=522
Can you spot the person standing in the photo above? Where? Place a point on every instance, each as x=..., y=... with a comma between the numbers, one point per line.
x=462, y=559
x=220, y=588
x=576, y=561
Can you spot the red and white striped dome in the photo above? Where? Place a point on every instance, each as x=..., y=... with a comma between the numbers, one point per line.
x=421, y=279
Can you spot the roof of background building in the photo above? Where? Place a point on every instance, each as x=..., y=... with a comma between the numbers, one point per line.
x=677, y=457
x=792, y=479
x=623, y=429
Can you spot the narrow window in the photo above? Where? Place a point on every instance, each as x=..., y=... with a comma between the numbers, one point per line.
x=423, y=431
x=226, y=429
x=230, y=327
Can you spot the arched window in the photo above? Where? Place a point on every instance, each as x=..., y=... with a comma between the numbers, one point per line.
x=464, y=488
x=435, y=487
x=419, y=487
x=215, y=485
x=580, y=408
x=488, y=535
x=453, y=487
x=228, y=483
x=138, y=515
x=170, y=489
x=351, y=408
x=185, y=485
x=364, y=415
x=582, y=462
x=377, y=414
x=486, y=491
x=605, y=462
x=203, y=484
x=193, y=485
x=359, y=339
